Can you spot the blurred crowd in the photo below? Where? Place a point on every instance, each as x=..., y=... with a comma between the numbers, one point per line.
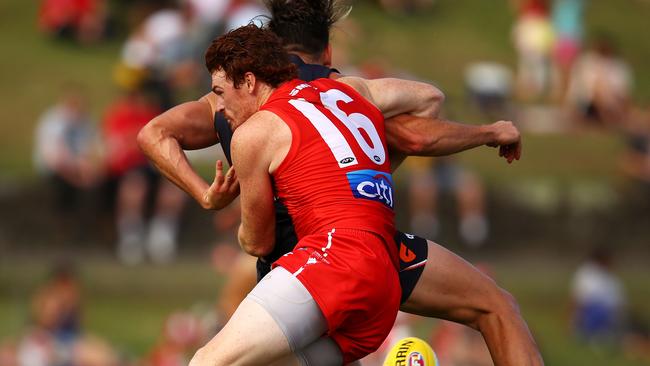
x=160, y=65
x=82, y=157
x=584, y=74
x=55, y=335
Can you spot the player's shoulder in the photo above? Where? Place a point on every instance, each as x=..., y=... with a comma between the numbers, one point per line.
x=259, y=128
x=360, y=85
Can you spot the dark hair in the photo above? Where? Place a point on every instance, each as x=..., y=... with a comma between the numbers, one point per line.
x=250, y=49
x=304, y=25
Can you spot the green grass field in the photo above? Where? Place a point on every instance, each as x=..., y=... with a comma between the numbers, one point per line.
x=127, y=306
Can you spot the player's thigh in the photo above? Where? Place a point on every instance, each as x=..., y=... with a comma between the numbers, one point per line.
x=278, y=317
x=241, y=342
x=322, y=352
x=451, y=288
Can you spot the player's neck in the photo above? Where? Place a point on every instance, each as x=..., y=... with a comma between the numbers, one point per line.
x=263, y=94
x=309, y=59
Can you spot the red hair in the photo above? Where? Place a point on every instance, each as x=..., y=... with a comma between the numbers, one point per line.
x=250, y=49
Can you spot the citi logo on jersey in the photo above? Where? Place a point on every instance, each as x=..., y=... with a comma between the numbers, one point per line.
x=372, y=185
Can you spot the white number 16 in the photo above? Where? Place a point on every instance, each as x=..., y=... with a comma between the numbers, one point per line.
x=333, y=137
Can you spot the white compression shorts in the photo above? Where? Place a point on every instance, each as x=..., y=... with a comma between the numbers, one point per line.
x=297, y=314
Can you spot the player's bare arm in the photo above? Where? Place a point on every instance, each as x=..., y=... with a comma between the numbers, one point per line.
x=398, y=96
x=418, y=136
x=255, y=153
x=187, y=126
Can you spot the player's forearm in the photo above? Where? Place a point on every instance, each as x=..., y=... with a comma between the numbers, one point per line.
x=434, y=136
x=255, y=244
x=165, y=152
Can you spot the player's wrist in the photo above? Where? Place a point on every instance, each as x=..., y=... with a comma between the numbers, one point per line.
x=490, y=134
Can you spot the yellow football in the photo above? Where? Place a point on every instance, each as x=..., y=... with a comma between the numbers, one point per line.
x=411, y=351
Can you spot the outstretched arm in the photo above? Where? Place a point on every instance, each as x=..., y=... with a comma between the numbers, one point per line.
x=186, y=127
x=418, y=136
x=413, y=125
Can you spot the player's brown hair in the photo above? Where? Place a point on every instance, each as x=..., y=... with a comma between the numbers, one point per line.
x=250, y=49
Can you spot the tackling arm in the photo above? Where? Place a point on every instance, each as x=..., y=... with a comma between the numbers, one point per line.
x=187, y=126
x=413, y=126
x=418, y=136
x=250, y=153
x=398, y=96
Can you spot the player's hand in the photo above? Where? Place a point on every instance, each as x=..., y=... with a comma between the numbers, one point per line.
x=224, y=189
x=508, y=139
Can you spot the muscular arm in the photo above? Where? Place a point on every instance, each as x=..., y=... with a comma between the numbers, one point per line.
x=398, y=96
x=252, y=155
x=413, y=125
x=185, y=127
x=417, y=136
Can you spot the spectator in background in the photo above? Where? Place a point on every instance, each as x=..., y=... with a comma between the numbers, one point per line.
x=8, y=352
x=65, y=154
x=432, y=178
x=135, y=180
x=600, y=86
x=567, y=17
x=94, y=351
x=84, y=21
x=489, y=86
x=598, y=300
x=533, y=40
x=635, y=161
x=152, y=51
x=181, y=335
x=242, y=12
x=56, y=318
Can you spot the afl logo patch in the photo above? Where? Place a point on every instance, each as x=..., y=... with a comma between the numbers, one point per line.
x=347, y=160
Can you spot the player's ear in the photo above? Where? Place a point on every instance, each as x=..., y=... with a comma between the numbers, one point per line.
x=249, y=81
x=327, y=55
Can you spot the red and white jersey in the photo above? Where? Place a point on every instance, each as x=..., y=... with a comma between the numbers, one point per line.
x=337, y=171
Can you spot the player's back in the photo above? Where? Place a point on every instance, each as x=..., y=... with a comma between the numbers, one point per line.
x=337, y=173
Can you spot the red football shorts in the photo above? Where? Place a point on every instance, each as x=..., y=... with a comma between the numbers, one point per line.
x=350, y=275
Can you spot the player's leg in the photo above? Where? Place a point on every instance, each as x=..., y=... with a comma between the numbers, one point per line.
x=450, y=288
x=278, y=317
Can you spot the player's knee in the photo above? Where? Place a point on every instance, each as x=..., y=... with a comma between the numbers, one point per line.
x=503, y=305
x=508, y=302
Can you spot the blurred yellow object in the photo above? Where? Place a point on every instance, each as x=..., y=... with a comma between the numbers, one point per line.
x=411, y=351
x=127, y=77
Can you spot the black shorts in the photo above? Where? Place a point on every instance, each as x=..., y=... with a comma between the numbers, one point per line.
x=413, y=252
